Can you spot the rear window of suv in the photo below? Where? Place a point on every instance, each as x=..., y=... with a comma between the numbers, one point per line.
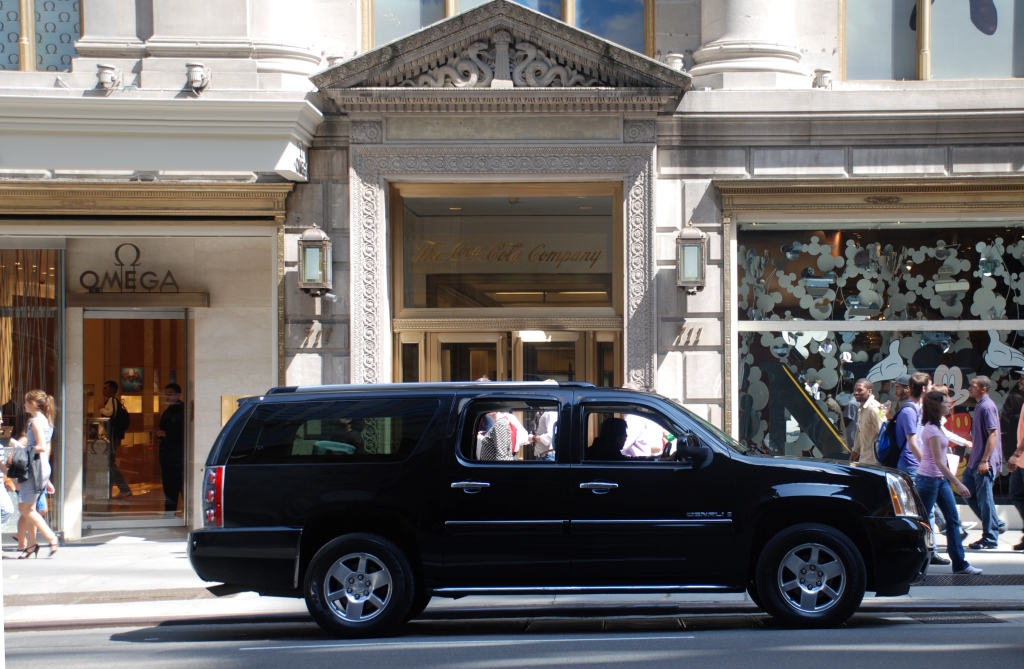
x=385, y=430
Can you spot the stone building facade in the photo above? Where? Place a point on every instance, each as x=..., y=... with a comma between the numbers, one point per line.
x=846, y=160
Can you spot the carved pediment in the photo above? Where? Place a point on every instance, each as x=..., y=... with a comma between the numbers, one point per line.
x=501, y=47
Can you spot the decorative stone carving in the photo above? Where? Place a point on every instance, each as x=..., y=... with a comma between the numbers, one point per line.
x=480, y=67
x=639, y=132
x=366, y=132
x=536, y=69
x=373, y=166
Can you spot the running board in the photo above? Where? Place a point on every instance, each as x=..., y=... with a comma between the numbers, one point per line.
x=456, y=593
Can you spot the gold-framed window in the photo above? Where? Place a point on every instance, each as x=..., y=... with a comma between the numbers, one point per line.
x=494, y=249
x=39, y=35
x=629, y=23
x=919, y=39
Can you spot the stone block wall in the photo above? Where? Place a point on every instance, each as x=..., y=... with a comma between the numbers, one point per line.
x=317, y=345
x=690, y=327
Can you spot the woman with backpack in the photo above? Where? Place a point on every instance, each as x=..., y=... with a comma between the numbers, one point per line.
x=40, y=409
x=119, y=422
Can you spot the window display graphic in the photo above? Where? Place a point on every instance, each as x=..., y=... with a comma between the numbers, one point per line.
x=131, y=379
x=820, y=309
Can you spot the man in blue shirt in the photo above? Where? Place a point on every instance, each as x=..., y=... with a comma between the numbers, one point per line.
x=985, y=462
x=908, y=389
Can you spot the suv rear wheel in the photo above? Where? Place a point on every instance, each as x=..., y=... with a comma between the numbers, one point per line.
x=810, y=575
x=359, y=585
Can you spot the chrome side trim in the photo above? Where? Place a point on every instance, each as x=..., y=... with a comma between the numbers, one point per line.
x=661, y=521
x=504, y=522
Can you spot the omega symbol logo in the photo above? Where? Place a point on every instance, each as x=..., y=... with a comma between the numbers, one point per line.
x=126, y=278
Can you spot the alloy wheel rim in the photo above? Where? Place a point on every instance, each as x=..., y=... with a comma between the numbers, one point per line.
x=358, y=587
x=811, y=578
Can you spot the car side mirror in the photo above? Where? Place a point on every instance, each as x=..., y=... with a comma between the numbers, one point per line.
x=688, y=447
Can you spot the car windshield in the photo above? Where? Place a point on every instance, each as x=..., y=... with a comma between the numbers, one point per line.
x=722, y=436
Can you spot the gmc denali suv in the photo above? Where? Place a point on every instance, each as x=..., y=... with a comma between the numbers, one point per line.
x=367, y=501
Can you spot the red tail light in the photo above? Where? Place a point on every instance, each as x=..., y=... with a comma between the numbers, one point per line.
x=213, y=497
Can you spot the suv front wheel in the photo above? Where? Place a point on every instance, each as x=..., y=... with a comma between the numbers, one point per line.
x=810, y=575
x=359, y=585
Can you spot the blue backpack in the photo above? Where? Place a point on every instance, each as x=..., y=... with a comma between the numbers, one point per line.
x=887, y=449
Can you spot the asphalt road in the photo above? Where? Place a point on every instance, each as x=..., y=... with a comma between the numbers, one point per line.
x=892, y=640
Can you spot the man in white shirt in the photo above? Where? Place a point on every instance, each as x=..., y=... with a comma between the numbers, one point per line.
x=644, y=437
x=543, y=436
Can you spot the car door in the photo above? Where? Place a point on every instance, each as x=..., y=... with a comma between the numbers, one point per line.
x=642, y=520
x=506, y=520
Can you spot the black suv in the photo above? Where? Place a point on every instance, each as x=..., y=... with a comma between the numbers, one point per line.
x=369, y=500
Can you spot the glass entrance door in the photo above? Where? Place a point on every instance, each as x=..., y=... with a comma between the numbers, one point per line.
x=134, y=466
x=518, y=355
x=466, y=356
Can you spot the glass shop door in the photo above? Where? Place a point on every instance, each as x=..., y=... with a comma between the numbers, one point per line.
x=521, y=355
x=134, y=474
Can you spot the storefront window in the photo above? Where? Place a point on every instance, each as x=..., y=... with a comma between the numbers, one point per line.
x=620, y=21
x=970, y=39
x=10, y=29
x=883, y=271
x=880, y=44
x=30, y=348
x=393, y=19
x=508, y=252
x=552, y=8
x=976, y=39
x=57, y=30
x=820, y=309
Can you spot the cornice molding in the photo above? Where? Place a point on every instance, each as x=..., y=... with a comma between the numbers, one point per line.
x=145, y=199
x=297, y=118
x=636, y=101
x=870, y=195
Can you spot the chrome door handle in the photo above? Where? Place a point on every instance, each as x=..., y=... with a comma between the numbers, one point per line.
x=598, y=487
x=470, y=487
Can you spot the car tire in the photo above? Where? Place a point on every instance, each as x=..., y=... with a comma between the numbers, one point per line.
x=359, y=585
x=810, y=576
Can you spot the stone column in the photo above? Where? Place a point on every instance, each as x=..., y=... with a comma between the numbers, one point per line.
x=747, y=44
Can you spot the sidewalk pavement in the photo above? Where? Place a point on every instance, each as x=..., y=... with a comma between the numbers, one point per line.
x=136, y=578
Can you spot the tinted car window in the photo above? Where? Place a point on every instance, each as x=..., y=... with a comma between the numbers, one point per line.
x=629, y=433
x=512, y=430
x=333, y=431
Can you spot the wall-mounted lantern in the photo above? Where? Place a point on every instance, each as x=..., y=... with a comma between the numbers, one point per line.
x=197, y=77
x=315, y=263
x=691, y=259
x=109, y=76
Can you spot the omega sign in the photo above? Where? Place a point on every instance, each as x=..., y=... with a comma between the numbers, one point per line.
x=126, y=278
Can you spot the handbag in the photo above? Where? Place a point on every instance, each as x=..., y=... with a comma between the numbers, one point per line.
x=17, y=466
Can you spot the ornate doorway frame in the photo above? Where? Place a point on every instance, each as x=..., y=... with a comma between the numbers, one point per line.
x=373, y=167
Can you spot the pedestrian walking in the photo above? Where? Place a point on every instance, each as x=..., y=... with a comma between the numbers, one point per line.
x=869, y=422
x=985, y=462
x=116, y=428
x=40, y=409
x=935, y=481
x=1014, y=465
